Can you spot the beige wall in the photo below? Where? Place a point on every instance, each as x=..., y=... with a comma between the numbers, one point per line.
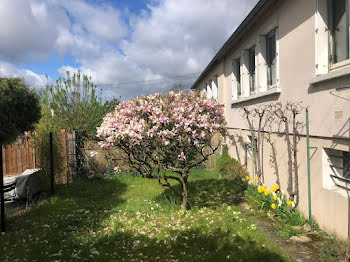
x=329, y=207
x=296, y=31
x=296, y=26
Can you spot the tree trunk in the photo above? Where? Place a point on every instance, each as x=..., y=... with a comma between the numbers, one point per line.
x=237, y=149
x=253, y=144
x=290, y=163
x=273, y=158
x=295, y=161
x=184, y=204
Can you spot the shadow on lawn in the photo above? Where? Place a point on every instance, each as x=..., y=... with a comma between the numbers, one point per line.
x=82, y=204
x=188, y=245
x=206, y=193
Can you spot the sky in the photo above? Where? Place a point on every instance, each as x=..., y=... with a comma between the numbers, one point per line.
x=155, y=43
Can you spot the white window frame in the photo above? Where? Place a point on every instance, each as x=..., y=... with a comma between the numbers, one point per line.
x=323, y=42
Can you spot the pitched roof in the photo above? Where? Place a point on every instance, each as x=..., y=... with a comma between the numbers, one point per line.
x=262, y=4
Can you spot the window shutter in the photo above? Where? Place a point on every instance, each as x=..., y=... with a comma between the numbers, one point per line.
x=321, y=38
x=256, y=68
x=277, y=57
x=209, y=91
x=214, y=86
x=262, y=66
x=245, y=73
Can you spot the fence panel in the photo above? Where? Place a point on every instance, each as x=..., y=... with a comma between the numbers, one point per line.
x=20, y=155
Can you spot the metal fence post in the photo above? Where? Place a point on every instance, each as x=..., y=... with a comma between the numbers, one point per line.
x=3, y=226
x=51, y=164
x=308, y=164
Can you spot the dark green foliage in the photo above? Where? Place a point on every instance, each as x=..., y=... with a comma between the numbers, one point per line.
x=331, y=251
x=19, y=109
x=229, y=168
x=74, y=104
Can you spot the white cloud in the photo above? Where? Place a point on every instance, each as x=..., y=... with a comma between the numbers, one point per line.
x=173, y=37
x=33, y=79
x=181, y=36
x=23, y=35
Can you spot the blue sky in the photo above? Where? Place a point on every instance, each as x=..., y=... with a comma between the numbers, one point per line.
x=115, y=42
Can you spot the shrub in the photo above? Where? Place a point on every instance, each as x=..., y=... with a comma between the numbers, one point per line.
x=230, y=168
x=42, y=151
x=332, y=250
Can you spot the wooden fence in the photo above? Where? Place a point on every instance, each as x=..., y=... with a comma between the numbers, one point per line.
x=20, y=155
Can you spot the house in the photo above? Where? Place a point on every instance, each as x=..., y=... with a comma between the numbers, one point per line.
x=291, y=52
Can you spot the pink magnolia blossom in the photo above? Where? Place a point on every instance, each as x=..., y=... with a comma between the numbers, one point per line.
x=181, y=120
x=93, y=153
x=182, y=156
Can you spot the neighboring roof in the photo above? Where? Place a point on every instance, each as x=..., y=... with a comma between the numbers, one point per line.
x=242, y=27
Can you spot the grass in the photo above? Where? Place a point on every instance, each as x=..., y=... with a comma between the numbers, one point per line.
x=134, y=219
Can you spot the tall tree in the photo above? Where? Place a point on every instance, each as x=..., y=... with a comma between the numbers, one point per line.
x=19, y=109
x=74, y=103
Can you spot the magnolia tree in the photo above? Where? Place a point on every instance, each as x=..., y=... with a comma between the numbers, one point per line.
x=158, y=133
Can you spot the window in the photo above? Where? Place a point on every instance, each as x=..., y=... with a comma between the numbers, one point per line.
x=332, y=35
x=338, y=24
x=339, y=162
x=236, y=79
x=249, y=145
x=271, y=58
x=336, y=169
x=251, y=69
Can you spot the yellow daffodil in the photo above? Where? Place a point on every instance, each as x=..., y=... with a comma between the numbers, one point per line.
x=275, y=188
x=259, y=189
x=275, y=198
x=253, y=180
x=273, y=206
x=256, y=178
x=267, y=192
x=289, y=202
x=247, y=178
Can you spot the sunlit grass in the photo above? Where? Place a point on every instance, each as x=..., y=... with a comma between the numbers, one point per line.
x=135, y=219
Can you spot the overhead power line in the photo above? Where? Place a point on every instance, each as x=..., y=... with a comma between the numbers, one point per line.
x=138, y=82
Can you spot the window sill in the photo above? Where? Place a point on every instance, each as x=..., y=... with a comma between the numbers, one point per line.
x=333, y=74
x=271, y=91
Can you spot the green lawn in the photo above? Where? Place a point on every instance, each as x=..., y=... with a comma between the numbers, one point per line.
x=134, y=219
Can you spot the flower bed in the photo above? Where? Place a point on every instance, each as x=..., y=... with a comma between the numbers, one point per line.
x=273, y=201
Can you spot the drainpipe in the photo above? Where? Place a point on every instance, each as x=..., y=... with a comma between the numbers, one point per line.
x=308, y=164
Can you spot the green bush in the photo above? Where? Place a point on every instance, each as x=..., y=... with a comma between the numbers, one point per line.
x=332, y=250
x=41, y=138
x=230, y=168
x=19, y=109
